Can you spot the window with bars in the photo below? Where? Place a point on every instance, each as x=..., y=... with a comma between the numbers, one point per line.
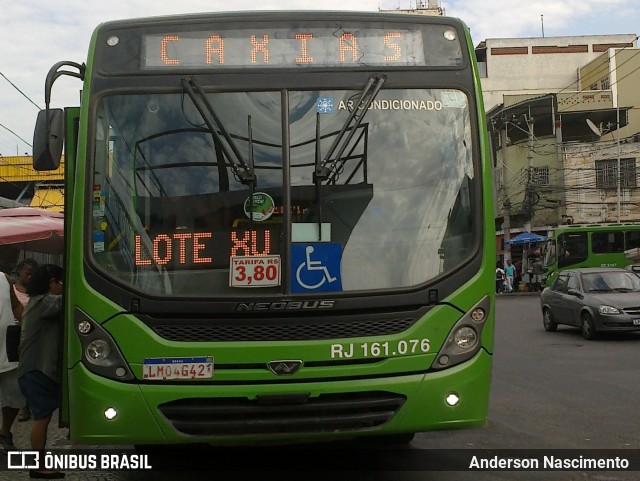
x=540, y=175
x=604, y=83
x=606, y=173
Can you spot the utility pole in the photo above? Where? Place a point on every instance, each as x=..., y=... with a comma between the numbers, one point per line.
x=528, y=191
x=506, y=203
x=560, y=158
x=618, y=149
x=528, y=195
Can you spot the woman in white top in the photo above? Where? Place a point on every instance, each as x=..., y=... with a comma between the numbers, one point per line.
x=11, y=399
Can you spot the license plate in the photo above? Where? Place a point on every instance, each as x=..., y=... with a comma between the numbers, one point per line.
x=178, y=368
x=636, y=322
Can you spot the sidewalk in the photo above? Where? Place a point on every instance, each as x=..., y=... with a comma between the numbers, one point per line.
x=56, y=439
x=518, y=293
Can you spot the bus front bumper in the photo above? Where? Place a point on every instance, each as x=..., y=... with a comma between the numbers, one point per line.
x=103, y=411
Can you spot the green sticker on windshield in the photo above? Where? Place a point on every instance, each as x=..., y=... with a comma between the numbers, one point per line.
x=263, y=206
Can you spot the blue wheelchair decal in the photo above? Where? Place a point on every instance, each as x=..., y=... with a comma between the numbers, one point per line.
x=316, y=267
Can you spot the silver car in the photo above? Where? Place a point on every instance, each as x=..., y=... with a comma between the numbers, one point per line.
x=594, y=299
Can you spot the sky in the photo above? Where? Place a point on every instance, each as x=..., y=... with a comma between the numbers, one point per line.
x=39, y=33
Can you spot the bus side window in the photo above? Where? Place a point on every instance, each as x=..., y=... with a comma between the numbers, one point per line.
x=551, y=253
x=632, y=239
x=572, y=249
x=607, y=242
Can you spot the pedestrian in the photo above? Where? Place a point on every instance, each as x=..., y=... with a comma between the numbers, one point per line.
x=23, y=272
x=10, y=397
x=536, y=270
x=499, y=278
x=40, y=342
x=518, y=278
x=510, y=274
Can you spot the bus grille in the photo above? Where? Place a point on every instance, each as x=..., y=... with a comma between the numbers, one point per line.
x=275, y=414
x=279, y=331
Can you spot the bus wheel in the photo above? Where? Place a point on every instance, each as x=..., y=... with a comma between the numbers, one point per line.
x=588, y=328
x=547, y=319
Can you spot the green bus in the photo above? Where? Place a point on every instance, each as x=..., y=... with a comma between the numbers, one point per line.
x=279, y=228
x=588, y=245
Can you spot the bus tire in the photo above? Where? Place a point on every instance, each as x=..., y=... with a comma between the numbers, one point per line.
x=547, y=320
x=588, y=327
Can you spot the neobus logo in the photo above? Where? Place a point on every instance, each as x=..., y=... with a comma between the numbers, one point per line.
x=284, y=305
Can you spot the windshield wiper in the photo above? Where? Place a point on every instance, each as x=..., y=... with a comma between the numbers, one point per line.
x=323, y=168
x=243, y=172
x=252, y=167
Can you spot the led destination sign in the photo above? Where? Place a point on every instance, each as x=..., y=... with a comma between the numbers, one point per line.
x=280, y=47
x=184, y=250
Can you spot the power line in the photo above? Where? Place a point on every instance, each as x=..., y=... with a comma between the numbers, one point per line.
x=7, y=128
x=23, y=94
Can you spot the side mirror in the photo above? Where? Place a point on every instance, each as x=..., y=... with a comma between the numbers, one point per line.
x=575, y=292
x=48, y=139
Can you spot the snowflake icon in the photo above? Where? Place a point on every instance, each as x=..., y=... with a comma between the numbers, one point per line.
x=324, y=105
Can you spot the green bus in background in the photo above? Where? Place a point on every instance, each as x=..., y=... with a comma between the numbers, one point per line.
x=279, y=227
x=588, y=245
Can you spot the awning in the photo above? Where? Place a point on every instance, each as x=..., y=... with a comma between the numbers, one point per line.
x=34, y=230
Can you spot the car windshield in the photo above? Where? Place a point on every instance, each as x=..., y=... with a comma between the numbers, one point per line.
x=611, y=282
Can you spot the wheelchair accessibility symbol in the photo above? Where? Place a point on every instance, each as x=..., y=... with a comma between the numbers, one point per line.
x=316, y=267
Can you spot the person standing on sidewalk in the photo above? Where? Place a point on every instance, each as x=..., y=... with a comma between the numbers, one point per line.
x=10, y=397
x=24, y=271
x=536, y=269
x=499, y=278
x=509, y=274
x=40, y=342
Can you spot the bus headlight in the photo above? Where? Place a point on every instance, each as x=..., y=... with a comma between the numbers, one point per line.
x=100, y=353
x=97, y=351
x=466, y=337
x=463, y=341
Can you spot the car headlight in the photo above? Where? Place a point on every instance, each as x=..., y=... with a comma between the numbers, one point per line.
x=608, y=310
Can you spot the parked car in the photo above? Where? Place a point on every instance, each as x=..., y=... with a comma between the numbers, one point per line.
x=634, y=268
x=594, y=299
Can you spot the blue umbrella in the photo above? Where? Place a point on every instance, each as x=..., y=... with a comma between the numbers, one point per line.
x=526, y=238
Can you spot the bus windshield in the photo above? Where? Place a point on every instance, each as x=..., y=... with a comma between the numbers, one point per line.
x=172, y=206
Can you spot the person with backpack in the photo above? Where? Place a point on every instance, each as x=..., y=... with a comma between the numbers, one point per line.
x=499, y=278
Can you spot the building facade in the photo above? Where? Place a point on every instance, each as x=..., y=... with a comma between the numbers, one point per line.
x=539, y=65
x=563, y=124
